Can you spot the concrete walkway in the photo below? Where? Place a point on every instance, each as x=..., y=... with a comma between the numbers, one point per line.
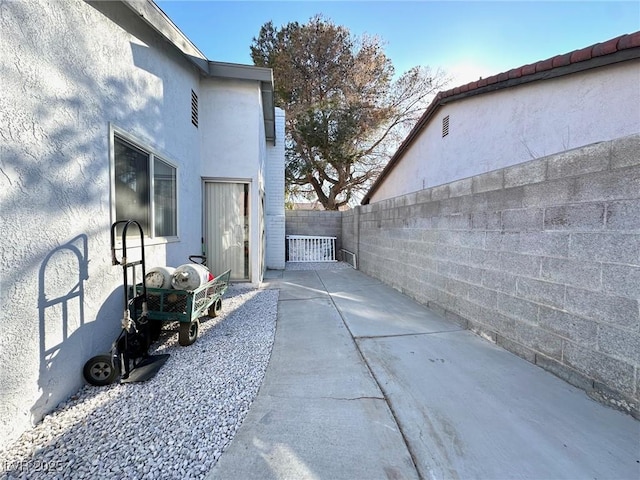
x=364, y=383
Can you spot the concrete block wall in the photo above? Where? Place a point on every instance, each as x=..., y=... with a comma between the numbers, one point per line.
x=351, y=230
x=542, y=258
x=320, y=223
x=274, y=199
x=275, y=255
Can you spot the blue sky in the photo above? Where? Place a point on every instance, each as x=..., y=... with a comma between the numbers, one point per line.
x=468, y=39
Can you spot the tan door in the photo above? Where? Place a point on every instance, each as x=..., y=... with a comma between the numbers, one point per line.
x=227, y=228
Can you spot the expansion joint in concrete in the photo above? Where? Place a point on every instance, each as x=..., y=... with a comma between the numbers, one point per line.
x=300, y=299
x=313, y=397
x=368, y=337
x=407, y=444
x=350, y=399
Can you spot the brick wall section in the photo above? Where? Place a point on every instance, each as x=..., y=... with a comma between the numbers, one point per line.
x=542, y=258
x=274, y=201
x=320, y=223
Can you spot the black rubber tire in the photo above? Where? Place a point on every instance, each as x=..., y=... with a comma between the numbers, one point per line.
x=215, y=308
x=100, y=370
x=188, y=332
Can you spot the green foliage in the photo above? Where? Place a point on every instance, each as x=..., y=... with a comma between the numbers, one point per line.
x=344, y=111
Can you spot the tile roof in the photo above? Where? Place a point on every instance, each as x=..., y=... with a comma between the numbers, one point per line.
x=570, y=62
x=614, y=45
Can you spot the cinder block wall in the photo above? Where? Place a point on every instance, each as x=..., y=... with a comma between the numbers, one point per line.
x=274, y=201
x=321, y=223
x=351, y=230
x=542, y=258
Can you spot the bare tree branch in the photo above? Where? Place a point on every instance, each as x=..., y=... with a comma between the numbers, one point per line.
x=345, y=114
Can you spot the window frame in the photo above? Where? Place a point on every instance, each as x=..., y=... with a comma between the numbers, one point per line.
x=153, y=154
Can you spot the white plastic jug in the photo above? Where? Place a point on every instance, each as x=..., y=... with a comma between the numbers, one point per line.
x=159, y=277
x=190, y=276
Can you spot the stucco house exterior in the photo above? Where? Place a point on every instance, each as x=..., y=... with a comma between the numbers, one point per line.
x=554, y=105
x=107, y=111
x=513, y=209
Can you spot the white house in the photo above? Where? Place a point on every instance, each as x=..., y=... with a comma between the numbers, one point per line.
x=107, y=111
x=558, y=104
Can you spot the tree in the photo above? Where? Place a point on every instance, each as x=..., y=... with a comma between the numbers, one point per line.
x=345, y=114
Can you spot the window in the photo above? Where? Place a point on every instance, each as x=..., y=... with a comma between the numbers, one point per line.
x=145, y=189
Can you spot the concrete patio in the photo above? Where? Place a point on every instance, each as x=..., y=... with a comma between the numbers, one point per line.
x=365, y=383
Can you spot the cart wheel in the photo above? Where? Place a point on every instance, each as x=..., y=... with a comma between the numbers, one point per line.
x=215, y=308
x=100, y=370
x=188, y=333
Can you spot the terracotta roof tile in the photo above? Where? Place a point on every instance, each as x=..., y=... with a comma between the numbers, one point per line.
x=544, y=65
x=605, y=48
x=629, y=41
x=515, y=73
x=581, y=55
x=492, y=79
x=561, y=60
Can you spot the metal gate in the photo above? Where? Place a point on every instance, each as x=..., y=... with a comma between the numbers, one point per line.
x=305, y=248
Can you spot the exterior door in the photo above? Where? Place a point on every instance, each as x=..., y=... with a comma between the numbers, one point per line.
x=227, y=228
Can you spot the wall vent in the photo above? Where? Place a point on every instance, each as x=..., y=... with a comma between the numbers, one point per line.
x=194, y=108
x=350, y=258
x=445, y=126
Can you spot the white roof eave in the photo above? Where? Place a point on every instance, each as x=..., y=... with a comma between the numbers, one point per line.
x=153, y=16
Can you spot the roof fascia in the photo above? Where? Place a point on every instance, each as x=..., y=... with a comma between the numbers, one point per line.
x=596, y=62
x=240, y=71
x=153, y=16
x=443, y=98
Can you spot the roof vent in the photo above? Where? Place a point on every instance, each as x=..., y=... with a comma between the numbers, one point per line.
x=194, y=108
x=445, y=126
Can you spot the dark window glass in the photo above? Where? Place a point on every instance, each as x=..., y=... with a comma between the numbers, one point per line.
x=132, y=184
x=164, y=199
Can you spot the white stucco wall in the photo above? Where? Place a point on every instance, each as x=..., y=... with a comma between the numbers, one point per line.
x=68, y=71
x=495, y=130
x=233, y=146
x=230, y=124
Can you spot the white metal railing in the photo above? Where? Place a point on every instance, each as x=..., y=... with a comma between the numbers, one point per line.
x=306, y=248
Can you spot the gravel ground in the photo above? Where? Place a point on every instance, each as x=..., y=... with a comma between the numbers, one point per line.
x=173, y=426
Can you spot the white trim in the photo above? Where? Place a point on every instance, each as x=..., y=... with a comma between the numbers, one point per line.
x=226, y=180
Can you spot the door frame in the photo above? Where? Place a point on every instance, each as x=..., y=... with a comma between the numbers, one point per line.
x=235, y=180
